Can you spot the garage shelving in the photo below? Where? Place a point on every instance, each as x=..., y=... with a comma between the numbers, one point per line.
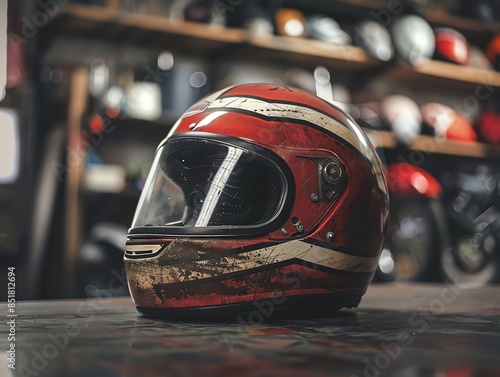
x=436, y=15
x=91, y=21
x=107, y=23
x=430, y=145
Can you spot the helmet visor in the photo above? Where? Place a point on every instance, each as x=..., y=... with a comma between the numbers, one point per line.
x=198, y=183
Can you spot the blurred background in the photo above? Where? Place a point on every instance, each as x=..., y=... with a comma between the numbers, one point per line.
x=92, y=87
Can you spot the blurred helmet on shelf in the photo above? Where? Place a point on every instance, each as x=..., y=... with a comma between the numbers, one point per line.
x=478, y=59
x=326, y=29
x=403, y=116
x=451, y=46
x=414, y=39
x=261, y=194
x=259, y=26
x=444, y=122
x=290, y=22
x=368, y=115
x=488, y=126
x=201, y=11
x=487, y=10
x=493, y=52
x=375, y=39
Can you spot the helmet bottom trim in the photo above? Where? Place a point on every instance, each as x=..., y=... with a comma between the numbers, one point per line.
x=257, y=312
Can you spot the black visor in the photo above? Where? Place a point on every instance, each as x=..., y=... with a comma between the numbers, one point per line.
x=198, y=185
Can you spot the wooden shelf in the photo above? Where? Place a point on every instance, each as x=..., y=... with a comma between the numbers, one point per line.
x=354, y=58
x=447, y=73
x=435, y=16
x=454, y=72
x=430, y=145
x=440, y=17
x=313, y=51
x=97, y=22
x=87, y=20
x=367, y=4
x=104, y=23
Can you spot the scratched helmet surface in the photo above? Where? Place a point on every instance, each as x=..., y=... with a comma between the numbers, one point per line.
x=259, y=194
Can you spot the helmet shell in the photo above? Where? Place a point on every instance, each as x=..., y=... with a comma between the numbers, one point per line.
x=324, y=241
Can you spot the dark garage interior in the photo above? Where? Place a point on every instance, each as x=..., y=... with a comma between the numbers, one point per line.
x=367, y=159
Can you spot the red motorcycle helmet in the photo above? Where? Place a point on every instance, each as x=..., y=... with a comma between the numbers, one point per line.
x=261, y=196
x=451, y=46
x=447, y=123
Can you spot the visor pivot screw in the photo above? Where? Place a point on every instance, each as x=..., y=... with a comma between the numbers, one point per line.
x=314, y=197
x=330, y=236
x=300, y=228
x=284, y=232
x=332, y=172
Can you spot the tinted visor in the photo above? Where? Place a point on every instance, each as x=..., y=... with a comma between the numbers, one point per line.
x=204, y=183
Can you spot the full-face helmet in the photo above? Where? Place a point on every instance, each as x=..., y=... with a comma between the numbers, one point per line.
x=260, y=192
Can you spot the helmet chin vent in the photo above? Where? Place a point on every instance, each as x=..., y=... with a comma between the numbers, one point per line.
x=143, y=251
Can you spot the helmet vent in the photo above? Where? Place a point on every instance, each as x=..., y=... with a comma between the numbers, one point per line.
x=143, y=251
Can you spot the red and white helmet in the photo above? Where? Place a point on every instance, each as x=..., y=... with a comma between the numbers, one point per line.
x=259, y=192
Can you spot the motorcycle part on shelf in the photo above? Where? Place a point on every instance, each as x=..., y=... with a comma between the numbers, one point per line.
x=488, y=126
x=414, y=39
x=290, y=22
x=259, y=194
x=326, y=29
x=403, y=116
x=375, y=39
x=474, y=255
x=444, y=122
x=451, y=46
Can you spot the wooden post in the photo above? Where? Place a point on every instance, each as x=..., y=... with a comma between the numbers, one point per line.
x=75, y=163
x=112, y=5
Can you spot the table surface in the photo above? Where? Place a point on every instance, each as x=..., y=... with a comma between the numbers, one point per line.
x=398, y=330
